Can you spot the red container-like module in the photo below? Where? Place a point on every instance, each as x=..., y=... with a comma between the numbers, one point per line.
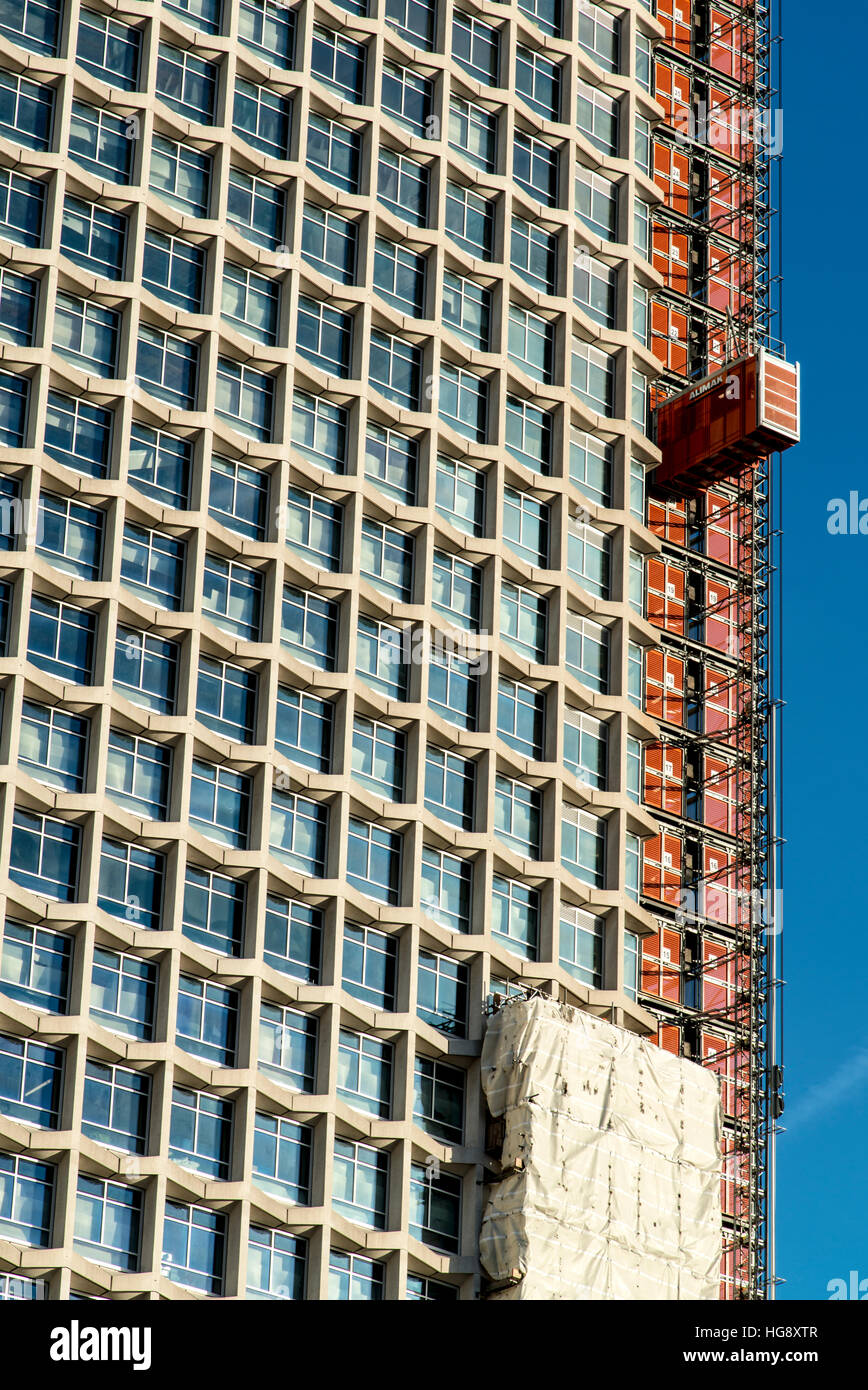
x=716, y=427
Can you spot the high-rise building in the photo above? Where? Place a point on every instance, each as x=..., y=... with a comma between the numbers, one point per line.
x=352, y=676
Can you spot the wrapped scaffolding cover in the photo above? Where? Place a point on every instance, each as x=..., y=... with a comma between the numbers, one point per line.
x=612, y=1156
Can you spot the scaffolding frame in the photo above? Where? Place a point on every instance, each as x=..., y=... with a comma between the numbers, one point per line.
x=744, y=327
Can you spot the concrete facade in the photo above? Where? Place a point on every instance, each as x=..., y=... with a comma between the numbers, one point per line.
x=229, y=552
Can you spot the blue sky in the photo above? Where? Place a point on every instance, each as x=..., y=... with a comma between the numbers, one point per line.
x=823, y=1157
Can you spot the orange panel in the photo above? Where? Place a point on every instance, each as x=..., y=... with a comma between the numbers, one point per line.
x=669, y=1038
x=671, y=171
x=664, y=686
x=719, y=1055
x=673, y=91
x=668, y=520
x=676, y=16
x=669, y=336
x=664, y=778
x=670, y=257
x=735, y=1184
x=734, y=1268
x=666, y=594
x=662, y=857
x=661, y=964
x=727, y=133
x=780, y=396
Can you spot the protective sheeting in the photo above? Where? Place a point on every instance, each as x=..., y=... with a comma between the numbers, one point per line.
x=612, y=1152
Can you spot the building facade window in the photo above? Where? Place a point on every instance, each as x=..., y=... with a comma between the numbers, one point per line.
x=213, y=910
x=44, y=855
x=443, y=993
x=131, y=881
x=200, y=1134
x=365, y=1067
x=293, y=938
x=123, y=993
x=370, y=965
x=582, y=939
x=207, y=1022
x=108, y=1219
x=194, y=1244
x=516, y=916
x=31, y=1078
x=356, y=1278
x=287, y=1046
x=276, y=1264
x=360, y=1183
x=282, y=1156
x=299, y=832
x=435, y=1208
x=374, y=860
x=438, y=1099
x=115, y=1106
x=28, y=1199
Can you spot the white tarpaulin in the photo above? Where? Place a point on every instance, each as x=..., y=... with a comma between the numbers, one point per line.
x=615, y=1147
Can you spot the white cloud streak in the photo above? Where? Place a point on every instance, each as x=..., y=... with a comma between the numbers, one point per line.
x=818, y=1100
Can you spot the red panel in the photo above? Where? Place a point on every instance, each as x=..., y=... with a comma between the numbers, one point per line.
x=719, y=795
x=723, y=609
x=718, y=1056
x=724, y=519
x=734, y=1269
x=726, y=131
x=734, y=1187
x=718, y=979
x=729, y=280
x=780, y=396
x=729, y=49
x=719, y=899
x=726, y=199
x=725, y=700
